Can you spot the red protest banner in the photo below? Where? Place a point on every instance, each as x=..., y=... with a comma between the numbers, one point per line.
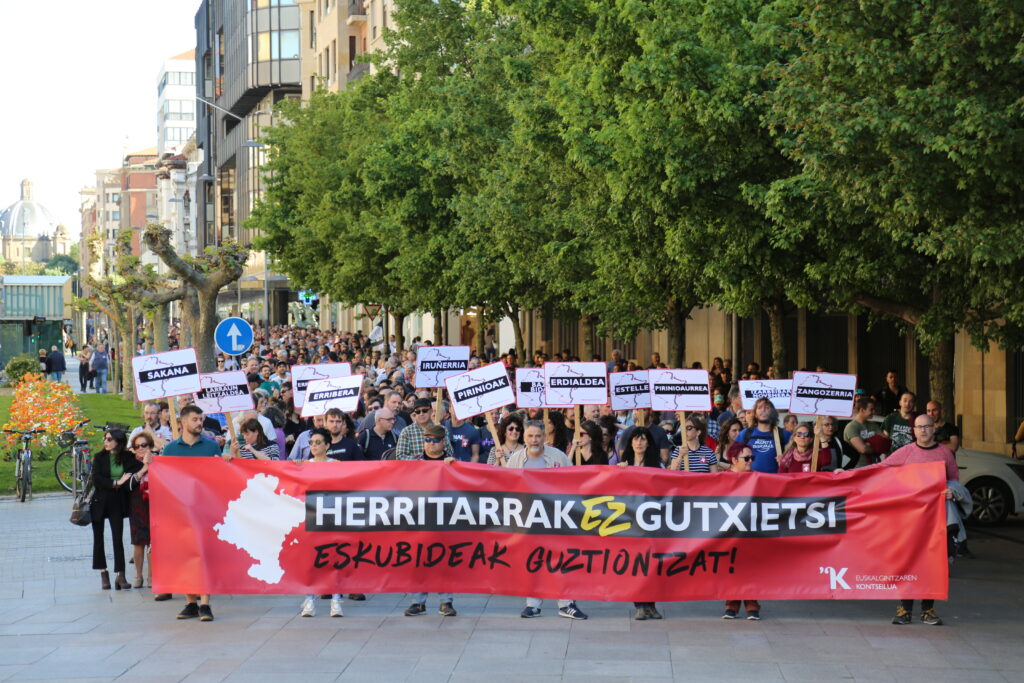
x=600, y=533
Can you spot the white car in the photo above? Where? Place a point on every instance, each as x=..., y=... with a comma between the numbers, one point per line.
x=996, y=483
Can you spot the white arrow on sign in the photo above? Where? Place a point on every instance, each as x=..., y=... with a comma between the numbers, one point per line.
x=234, y=333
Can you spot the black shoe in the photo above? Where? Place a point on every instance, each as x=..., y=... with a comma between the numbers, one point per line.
x=902, y=617
x=653, y=613
x=640, y=614
x=191, y=611
x=530, y=612
x=160, y=597
x=205, y=613
x=571, y=611
x=415, y=608
x=446, y=610
x=355, y=596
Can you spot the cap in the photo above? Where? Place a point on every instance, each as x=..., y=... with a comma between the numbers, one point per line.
x=422, y=403
x=436, y=431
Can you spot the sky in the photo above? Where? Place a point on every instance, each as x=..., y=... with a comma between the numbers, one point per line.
x=79, y=89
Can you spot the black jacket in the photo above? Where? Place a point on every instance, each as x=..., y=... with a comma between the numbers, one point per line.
x=108, y=501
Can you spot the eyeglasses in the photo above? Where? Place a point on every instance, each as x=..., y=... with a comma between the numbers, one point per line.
x=386, y=419
x=746, y=458
x=691, y=428
x=802, y=435
x=318, y=442
x=143, y=445
x=420, y=411
x=511, y=428
x=430, y=439
x=924, y=426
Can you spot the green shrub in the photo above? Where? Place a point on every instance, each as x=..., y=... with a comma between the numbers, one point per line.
x=19, y=366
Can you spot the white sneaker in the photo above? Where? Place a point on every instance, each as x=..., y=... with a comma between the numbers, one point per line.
x=336, y=607
x=308, y=608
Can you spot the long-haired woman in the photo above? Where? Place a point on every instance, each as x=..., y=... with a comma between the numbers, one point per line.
x=509, y=439
x=112, y=468
x=641, y=450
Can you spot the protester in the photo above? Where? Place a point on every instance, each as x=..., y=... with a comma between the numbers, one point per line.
x=317, y=441
x=465, y=439
x=434, y=439
x=255, y=444
x=826, y=438
x=726, y=436
x=799, y=452
x=556, y=433
x=699, y=457
x=537, y=455
x=590, y=445
x=410, y=441
x=300, y=451
x=342, y=446
x=864, y=436
x=946, y=433
x=763, y=436
x=741, y=456
x=641, y=451
x=382, y=437
x=897, y=424
x=924, y=448
x=143, y=445
x=112, y=467
x=661, y=439
x=191, y=443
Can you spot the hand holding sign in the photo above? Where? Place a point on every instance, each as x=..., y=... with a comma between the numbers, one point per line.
x=582, y=384
x=630, y=390
x=479, y=391
x=530, y=389
x=302, y=375
x=435, y=364
x=172, y=373
x=335, y=392
x=682, y=390
x=224, y=392
x=823, y=393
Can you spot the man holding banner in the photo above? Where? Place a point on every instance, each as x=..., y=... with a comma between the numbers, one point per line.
x=765, y=438
x=410, y=441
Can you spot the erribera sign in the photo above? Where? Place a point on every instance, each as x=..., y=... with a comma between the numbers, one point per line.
x=592, y=533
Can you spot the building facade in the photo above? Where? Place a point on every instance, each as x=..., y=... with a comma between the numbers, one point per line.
x=29, y=233
x=176, y=103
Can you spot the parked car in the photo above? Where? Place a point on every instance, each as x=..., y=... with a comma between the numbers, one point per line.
x=996, y=483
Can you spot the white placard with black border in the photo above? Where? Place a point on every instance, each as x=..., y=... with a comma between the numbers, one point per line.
x=777, y=391
x=823, y=393
x=530, y=389
x=302, y=375
x=480, y=390
x=335, y=392
x=579, y=384
x=680, y=390
x=170, y=373
x=630, y=390
x=224, y=392
x=435, y=364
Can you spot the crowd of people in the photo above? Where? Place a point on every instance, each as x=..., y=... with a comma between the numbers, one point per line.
x=396, y=421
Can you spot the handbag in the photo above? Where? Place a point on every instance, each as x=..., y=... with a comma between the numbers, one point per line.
x=81, y=506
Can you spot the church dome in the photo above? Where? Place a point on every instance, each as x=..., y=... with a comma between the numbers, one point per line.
x=26, y=218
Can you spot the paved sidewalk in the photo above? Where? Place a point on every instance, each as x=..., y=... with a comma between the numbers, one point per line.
x=56, y=624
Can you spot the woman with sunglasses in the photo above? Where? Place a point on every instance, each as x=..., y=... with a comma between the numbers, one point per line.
x=798, y=456
x=112, y=467
x=590, y=445
x=509, y=439
x=143, y=445
x=698, y=456
x=741, y=458
x=641, y=450
x=319, y=441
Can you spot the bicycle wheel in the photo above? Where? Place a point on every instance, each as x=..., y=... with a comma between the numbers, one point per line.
x=64, y=470
x=19, y=481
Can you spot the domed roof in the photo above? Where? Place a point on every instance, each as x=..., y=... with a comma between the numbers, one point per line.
x=26, y=218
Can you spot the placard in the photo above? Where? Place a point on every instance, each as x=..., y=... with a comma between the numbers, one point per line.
x=530, y=389
x=302, y=375
x=579, y=384
x=435, y=364
x=480, y=390
x=776, y=390
x=630, y=390
x=823, y=393
x=335, y=392
x=171, y=373
x=224, y=392
x=680, y=389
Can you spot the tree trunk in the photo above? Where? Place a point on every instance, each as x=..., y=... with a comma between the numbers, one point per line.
x=940, y=376
x=438, y=327
x=676, y=334
x=775, y=317
x=203, y=333
x=399, y=332
x=517, y=330
x=386, y=349
x=126, y=352
x=481, y=330
x=588, y=338
x=159, y=324
x=189, y=318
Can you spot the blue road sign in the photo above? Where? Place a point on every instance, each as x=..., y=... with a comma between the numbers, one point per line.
x=233, y=336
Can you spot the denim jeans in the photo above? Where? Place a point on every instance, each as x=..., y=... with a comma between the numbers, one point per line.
x=101, y=381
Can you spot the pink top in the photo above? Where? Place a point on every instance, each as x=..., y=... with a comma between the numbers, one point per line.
x=912, y=453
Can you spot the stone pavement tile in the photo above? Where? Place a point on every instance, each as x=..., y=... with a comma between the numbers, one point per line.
x=293, y=665
x=377, y=668
x=618, y=667
x=110, y=668
x=149, y=678
x=814, y=671
x=904, y=674
x=726, y=670
x=970, y=661
x=179, y=665
x=287, y=648
x=8, y=670
x=417, y=645
x=85, y=653
x=697, y=653
x=510, y=649
x=549, y=645
x=870, y=673
x=617, y=679
x=433, y=667
x=23, y=654
x=351, y=636
x=901, y=641
x=613, y=650
x=340, y=649
x=503, y=678
x=583, y=636
x=250, y=677
x=504, y=666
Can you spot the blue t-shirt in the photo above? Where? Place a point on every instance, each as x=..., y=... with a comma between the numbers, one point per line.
x=463, y=438
x=763, y=445
x=202, y=448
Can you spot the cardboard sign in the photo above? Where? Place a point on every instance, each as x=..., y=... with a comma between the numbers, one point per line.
x=823, y=393
x=435, y=364
x=171, y=373
x=478, y=391
x=682, y=389
x=335, y=392
x=530, y=389
x=630, y=390
x=224, y=392
x=302, y=375
x=582, y=384
x=776, y=390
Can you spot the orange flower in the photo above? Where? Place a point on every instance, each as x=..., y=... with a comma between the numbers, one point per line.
x=39, y=404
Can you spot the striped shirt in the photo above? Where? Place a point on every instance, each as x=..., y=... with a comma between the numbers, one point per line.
x=700, y=460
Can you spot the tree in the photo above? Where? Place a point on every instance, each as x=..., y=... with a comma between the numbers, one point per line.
x=63, y=263
x=906, y=124
x=207, y=275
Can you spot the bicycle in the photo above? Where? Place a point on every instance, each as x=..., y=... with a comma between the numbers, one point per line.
x=73, y=466
x=23, y=463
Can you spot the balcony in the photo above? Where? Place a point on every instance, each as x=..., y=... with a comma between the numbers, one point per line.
x=356, y=13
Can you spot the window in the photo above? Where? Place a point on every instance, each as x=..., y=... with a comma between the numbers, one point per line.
x=176, y=78
x=177, y=134
x=179, y=110
x=277, y=45
x=260, y=4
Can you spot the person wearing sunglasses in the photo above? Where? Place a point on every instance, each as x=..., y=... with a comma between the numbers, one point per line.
x=112, y=467
x=410, y=441
x=509, y=439
x=698, y=456
x=741, y=457
x=319, y=441
x=798, y=456
x=143, y=445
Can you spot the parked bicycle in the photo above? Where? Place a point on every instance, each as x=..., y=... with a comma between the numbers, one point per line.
x=73, y=466
x=23, y=463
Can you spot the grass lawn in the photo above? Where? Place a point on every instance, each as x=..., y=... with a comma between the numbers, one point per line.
x=100, y=408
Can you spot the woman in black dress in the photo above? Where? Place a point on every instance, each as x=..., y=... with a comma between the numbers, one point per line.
x=143, y=446
x=112, y=468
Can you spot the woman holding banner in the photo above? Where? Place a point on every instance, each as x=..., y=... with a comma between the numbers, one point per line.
x=699, y=458
x=509, y=439
x=741, y=457
x=590, y=445
x=642, y=451
x=257, y=446
x=319, y=440
x=798, y=455
x=726, y=437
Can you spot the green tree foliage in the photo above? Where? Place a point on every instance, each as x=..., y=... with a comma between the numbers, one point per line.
x=63, y=264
